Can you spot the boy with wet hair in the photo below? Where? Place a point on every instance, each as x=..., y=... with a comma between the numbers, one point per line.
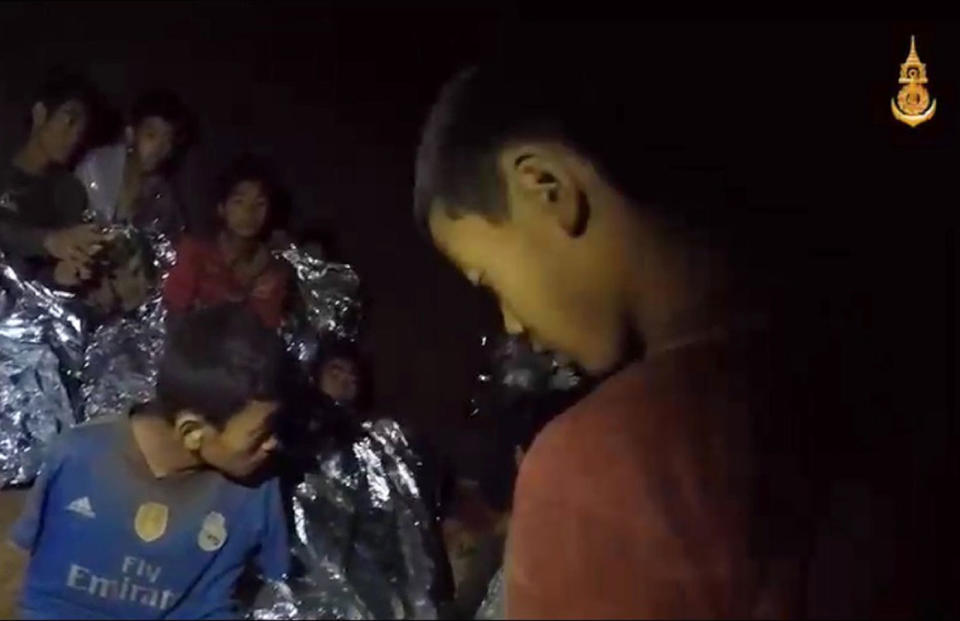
x=155, y=514
x=41, y=204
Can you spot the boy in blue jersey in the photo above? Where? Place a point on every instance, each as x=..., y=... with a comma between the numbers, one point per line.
x=156, y=514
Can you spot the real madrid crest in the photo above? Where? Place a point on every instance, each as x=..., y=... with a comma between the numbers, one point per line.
x=151, y=521
x=912, y=104
x=213, y=532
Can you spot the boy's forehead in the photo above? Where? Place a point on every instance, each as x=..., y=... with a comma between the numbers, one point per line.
x=248, y=187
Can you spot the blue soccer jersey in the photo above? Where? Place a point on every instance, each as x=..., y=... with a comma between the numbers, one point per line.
x=110, y=540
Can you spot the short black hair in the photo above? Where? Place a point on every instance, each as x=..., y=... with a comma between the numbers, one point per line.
x=601, y=114
x=336, y=349
x=61, y=85
x=167, y=105
x=216, y=361
x=245, y=167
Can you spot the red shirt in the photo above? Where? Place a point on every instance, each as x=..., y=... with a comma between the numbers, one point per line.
x=635, y=503
x=202, y=277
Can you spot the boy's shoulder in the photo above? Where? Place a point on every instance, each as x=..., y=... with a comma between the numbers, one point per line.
x=601, y=433
x=90, y=435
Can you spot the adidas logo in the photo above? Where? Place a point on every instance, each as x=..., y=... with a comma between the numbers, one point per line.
x=82, y=506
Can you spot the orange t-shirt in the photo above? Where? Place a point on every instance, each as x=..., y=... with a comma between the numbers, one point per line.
x=636, y=503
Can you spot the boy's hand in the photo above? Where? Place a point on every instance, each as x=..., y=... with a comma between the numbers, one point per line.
x=76, y=244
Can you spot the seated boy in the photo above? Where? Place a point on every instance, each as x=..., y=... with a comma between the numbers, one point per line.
x=41, y=205
x=337, y=374
x=234, y=265
x=155, y=514
x=332, y=398
x=128, y=182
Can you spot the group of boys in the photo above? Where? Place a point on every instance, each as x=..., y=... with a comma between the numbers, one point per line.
x=657, y=495
x=181, y=462
x=45, y=228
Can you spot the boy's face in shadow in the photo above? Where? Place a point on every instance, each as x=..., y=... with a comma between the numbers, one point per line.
x=245, y=210
x=338, y=380
x=124, y=287
x=60, y=130
x=131, y=283
x=550, y=256
x=153, y=142
x=244, y=444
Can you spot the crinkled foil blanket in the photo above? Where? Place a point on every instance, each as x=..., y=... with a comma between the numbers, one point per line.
x=493, y=604
x=55, y=373
x=41, y=355
x=516, y=369
x=363, y=535
x=363, y=539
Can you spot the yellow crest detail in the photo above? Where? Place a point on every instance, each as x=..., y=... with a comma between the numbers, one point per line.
x=151, y=521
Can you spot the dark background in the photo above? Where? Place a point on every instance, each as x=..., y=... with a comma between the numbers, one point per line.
x=799, y=113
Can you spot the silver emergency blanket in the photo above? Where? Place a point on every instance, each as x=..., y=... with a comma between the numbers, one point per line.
x=327, y=304
x=54, y=373
x=493, y=603
x=364, y=537
x=515, y=369
x=101, y=173
x=41, y=352
x=120, y=366
x=123, y=353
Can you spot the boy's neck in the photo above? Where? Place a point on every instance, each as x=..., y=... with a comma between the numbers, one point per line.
x=161, y=448
x=684, y=295
x=235, y=247
x=32, y=159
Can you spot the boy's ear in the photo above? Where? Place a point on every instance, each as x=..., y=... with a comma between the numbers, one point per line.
x=191, y=429
x=39, y=114
x=542, y=181
x=129, y=134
